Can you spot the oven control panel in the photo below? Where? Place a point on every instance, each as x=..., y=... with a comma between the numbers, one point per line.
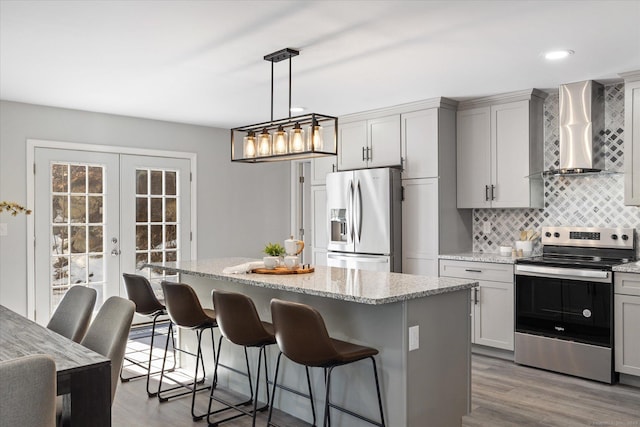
x=596, y=237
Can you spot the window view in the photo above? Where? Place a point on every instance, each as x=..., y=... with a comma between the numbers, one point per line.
x=77, y=225
x=157, y=222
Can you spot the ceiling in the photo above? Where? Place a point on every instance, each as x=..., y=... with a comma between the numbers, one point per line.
x=201, y=62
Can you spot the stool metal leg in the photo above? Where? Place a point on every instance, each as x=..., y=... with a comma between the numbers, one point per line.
x=236, y=406
x=191, y=387
x=328, y=404
x=273, y=393
x=147, y=366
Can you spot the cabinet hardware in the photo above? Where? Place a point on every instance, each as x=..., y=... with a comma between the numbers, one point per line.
x=486, y=193
x=363, y=158
x=402, y=193
x=475, y=296
x=333, y=167
x=493, y=192
x=369, y=155
x=472, y=271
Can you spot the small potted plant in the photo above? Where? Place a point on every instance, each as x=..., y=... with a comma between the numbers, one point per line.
x=275, y=252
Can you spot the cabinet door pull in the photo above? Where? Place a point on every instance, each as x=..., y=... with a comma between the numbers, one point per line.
x=476, y=298
x=493, y=192
x=369, y=155
x=363, y=159
x=486, y=193
x=472, y=271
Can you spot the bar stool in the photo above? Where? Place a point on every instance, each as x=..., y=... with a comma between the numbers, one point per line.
x=139, y=291
x=240, y=324
x=185, y=312
x=302, y=336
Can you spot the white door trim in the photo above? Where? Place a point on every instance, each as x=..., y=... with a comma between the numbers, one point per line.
x=32, y=144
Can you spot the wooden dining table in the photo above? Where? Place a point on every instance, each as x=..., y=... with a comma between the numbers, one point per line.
x=82, y=374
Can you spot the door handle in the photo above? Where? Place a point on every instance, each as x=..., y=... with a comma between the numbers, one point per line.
x=472, y=271
x=476, y=296
x=486, y=193
x=369, y=153
x=363, y=158
x=115, y=251
x=493, y=189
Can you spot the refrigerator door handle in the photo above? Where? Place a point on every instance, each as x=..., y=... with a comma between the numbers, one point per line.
x=350, y=212
x=359, y=212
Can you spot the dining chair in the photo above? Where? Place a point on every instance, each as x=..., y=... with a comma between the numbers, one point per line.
x=107, y=335
x=28, y=392
x=73, y=315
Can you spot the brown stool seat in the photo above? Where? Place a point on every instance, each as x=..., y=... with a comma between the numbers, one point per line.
x=185, y=311
x=349, y=352
x=139, y=291
x=302, y=336
x=240, y=323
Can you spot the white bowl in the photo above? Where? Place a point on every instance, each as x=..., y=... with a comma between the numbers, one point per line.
x=505, y=250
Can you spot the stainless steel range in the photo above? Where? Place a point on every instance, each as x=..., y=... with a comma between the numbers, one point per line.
x=564, y=300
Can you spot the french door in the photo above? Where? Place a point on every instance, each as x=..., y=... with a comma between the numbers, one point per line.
x=97, y=215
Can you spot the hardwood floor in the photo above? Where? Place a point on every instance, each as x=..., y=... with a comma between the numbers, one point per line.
x=506, y=394
x=503, y=394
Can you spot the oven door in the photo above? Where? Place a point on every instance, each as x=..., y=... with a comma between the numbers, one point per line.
x=568, y=304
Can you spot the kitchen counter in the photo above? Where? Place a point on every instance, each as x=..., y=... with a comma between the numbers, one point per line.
x=425, y=380
x=479, y=257
x=630, y=267
x=366, y=287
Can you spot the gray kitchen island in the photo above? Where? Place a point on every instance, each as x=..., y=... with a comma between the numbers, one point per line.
x=420, y=325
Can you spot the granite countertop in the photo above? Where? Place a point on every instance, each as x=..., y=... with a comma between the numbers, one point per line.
x=630, y=267
x=479, y=257
x=367, y=287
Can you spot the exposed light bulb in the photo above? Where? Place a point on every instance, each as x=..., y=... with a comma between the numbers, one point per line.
x=264, y=143
x=280, y=141
x=296, y=139
x=250, y=145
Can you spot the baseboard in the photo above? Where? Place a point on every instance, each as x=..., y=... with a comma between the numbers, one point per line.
x=492, y=352
x=631, y=380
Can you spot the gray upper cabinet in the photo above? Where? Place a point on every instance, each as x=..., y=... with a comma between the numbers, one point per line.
x=420, y=144
x=632, y=138
x=500, y=151
x=369, y=143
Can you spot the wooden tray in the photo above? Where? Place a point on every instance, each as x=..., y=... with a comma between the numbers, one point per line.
x=283, y=270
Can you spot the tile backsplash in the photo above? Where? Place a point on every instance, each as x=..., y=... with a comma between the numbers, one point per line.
x=588, y=201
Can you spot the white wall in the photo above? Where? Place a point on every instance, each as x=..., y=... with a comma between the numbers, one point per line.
x=240, y=206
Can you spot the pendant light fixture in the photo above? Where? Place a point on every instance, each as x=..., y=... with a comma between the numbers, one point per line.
x=284, y=139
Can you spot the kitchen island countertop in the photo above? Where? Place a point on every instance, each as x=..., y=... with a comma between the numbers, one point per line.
x=366, y=287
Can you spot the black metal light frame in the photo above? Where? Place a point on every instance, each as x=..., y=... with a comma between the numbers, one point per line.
x=288, y=123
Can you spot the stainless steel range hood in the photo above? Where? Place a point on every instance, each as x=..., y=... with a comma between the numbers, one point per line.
x=581, y=124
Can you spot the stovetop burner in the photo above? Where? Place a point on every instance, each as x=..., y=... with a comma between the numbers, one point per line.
x=577, y=261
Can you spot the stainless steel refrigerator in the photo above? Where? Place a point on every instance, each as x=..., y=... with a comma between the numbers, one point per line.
x=364, y=213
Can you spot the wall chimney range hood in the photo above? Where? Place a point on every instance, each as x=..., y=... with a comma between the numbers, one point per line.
x=581, y=123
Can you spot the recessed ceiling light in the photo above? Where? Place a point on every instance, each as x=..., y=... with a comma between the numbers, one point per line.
x=558, y=54
x=297, y=109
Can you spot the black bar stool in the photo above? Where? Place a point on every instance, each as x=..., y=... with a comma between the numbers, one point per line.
x=239, y=323
x=302, y=336
x=185, y=312
x=139, y=291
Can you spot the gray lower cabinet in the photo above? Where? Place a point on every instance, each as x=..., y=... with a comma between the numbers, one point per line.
x=492, y=302
x=627, y=319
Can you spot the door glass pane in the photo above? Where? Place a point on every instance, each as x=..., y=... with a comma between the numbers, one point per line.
x=77, y=200
x=157, y=229
x=170, y=183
